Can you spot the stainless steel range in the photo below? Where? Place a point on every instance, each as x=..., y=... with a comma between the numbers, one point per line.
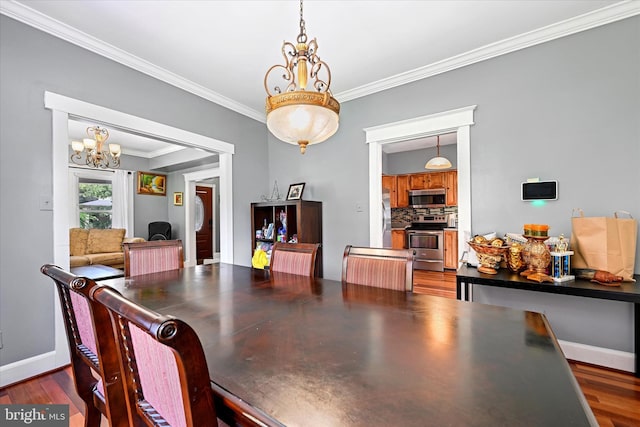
x=426, y=237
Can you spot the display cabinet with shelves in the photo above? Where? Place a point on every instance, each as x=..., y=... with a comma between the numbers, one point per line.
x=286, y=221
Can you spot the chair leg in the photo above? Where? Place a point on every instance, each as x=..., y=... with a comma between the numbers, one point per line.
x=92, y=416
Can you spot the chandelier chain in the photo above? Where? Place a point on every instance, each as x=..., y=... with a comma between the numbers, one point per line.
x=302, y=37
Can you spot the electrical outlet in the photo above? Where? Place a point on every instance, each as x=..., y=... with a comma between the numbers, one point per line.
x=359, y=207
x=46, y=203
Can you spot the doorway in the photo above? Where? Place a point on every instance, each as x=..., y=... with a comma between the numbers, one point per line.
x=204, y=223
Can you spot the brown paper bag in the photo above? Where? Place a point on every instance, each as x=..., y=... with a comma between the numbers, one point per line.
x=604, y=243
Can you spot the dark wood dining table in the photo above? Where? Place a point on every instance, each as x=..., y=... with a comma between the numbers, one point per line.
x=315, y=352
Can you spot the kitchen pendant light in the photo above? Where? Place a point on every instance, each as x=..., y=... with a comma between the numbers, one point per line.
x=294, y=114
x=438, y=162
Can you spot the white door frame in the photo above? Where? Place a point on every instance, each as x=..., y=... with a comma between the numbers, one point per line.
x=459, y=121
x=62, y=108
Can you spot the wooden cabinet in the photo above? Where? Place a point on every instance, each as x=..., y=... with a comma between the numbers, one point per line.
x=451, y=184
x=284, y=219
x=402, y=190
x=418, y=181
x=398, y=240
x=389, y=182
x=451, y=249
x=434, y=180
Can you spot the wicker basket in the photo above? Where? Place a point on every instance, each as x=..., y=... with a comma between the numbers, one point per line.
x=489, y=256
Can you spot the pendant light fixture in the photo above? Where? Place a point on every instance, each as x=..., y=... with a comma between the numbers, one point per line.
x=297, y=114
x=438, y=162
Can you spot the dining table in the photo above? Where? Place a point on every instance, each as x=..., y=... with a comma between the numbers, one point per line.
x=316, y=352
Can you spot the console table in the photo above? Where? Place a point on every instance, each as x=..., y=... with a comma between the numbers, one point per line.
x=627, y=292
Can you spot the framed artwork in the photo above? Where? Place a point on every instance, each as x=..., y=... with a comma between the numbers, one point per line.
x=177, y=198
x=295, y=191
x=152, y=183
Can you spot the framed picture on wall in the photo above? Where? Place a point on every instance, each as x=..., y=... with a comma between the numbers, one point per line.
x=177, y=198
x=152, y=183
x=295, y=191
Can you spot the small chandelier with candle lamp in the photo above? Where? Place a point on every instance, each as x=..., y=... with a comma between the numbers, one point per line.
x=96, y=156
x=294, y=114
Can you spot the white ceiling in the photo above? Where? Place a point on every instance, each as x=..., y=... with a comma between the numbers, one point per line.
x=220, y=50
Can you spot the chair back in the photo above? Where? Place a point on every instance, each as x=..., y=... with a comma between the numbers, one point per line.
x=92, y=347
x=152, y=257
x=378, y=267
x=294, y=258
x=163, y=364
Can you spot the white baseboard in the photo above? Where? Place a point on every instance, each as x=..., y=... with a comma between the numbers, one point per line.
x=27, y=368
x=615, y=359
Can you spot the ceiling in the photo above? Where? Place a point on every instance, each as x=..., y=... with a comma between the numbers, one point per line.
x=221, y=50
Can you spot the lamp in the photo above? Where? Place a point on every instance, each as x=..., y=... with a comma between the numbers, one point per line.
x=438, y=162
x=95, y=155
x=294, y=114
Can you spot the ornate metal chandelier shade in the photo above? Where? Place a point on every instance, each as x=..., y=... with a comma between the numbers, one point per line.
x=438, y=162
x=294, y=114
x=96, y=156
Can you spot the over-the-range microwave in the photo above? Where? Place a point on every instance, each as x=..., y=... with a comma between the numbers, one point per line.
x=434, y=198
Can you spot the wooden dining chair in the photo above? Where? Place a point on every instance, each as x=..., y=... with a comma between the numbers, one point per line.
x=92, y=347
x=294, y=258
x=378, y=267
x=165, y=371
x=152, y=257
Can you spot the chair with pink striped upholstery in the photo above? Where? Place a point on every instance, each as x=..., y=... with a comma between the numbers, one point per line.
x=378, y=267
x=152, y=256
x=295, y=258
x=165, y=371
x=92, y=347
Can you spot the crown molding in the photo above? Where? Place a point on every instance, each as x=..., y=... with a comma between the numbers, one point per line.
x=606, y=15
x=65, y=32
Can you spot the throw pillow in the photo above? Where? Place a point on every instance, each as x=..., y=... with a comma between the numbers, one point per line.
x=78, y=241
x=109, y=240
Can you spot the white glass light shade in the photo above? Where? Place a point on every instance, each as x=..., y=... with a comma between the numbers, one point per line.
x=302, y=122
x=438, y=163
x=89, y=143
x=77, y=146
x=114, y=149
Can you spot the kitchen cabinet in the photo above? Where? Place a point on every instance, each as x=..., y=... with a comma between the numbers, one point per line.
x=402, y=190
x=302, y=217
x=418, y=181
x=451, y=184
x=398, y=240
x=389, y=182
x=451, y=249
x=434, y=180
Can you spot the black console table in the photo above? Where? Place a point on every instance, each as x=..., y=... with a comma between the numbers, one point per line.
x=627, y=292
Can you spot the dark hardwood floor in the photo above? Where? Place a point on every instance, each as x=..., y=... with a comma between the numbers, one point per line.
x=613, y=396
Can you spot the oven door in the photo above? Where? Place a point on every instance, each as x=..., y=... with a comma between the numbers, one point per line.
x=429, y=249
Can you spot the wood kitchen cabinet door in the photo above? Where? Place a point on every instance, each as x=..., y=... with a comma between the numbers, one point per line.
x=398, y=239
x=402, y=188
x=418, y=181
x=451, y=184
x=435, y=180
x=451, y=249
x=389, y=183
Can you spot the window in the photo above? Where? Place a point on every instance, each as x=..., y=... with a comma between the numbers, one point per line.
x=95, y=205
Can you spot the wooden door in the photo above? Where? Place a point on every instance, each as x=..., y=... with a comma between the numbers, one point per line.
x=435, y=180
x=402, y=190
x=204, y=240
x=389, y=183
x=451, y=179
x=418, y=181
x=451, y=249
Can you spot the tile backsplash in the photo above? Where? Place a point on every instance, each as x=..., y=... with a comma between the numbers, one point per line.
x=405, y=215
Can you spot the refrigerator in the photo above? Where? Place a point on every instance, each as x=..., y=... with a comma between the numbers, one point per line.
x=386, y=218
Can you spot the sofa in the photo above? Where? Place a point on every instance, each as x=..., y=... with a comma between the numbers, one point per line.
x=98, y=246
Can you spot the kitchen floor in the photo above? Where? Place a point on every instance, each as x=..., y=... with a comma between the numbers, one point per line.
x=435, y=283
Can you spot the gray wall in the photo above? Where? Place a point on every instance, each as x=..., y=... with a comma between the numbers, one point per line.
x=566, y=110
x=414, y=161
x=32, y=62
